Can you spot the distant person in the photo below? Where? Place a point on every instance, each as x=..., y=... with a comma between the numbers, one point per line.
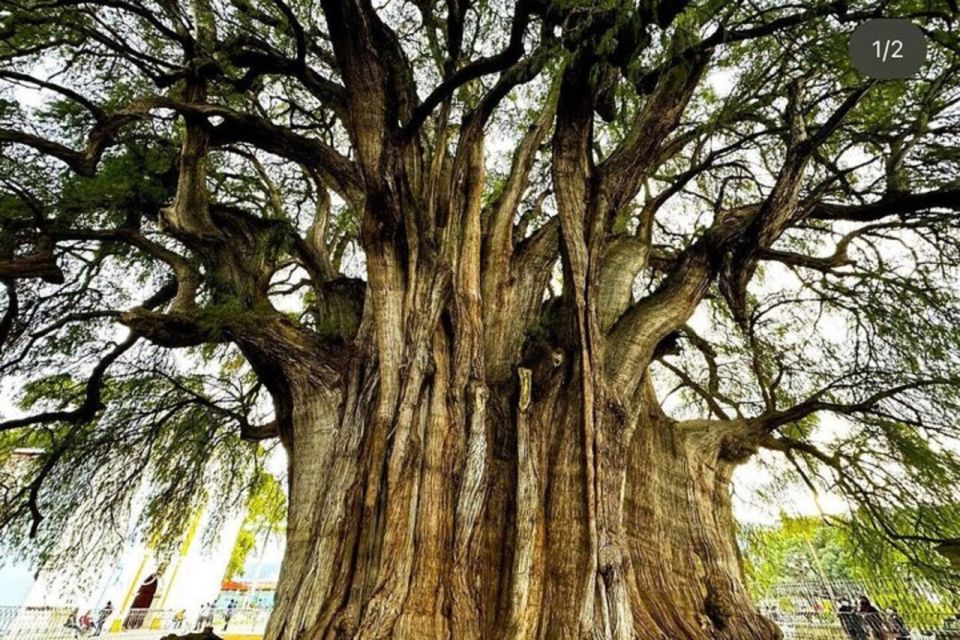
x=71, y=622
x=86, y=622
x=897, y=626
x=231, y=608
x=201, y=617
x=104, y=615
x=850, y=621
x=178, y=618
x=872, y=620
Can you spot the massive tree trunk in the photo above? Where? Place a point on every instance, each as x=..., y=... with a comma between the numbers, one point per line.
x=466, y=479
x=468, y=517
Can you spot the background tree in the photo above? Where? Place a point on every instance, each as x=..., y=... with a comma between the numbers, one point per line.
x=809, y=550
x=517, y=285
x=809, y=564
x=796, y=550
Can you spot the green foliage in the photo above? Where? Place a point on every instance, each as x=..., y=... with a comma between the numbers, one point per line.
x=885, y=316
x=129, y=181
x=797, y=549
x=805, y=560
x=266, y=516
x=155, y=455
x=809, y=550
x=245, y=545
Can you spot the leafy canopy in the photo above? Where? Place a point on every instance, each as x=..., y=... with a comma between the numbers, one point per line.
x=175, y=176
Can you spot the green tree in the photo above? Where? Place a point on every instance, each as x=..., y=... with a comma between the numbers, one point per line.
x=807, y=559
x=797, y=549
x=516, y=284
x=808, y=549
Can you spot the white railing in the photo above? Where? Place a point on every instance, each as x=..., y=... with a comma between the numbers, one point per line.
x=830, y=610
x=241, y=621
x=65, y=623
x=37, y=623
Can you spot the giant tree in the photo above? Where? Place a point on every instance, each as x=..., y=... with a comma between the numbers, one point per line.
x=517, y=285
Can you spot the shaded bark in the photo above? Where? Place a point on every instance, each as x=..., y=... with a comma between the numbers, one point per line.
x=441, y=490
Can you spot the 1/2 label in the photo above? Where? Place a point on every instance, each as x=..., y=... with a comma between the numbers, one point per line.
x=888, y=48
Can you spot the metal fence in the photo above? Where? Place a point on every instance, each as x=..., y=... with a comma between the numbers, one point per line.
x=64, y=623
x=905, y=610
x=896, y=610
x=239, y=621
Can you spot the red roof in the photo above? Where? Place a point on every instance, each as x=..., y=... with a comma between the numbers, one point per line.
x=234, y=585
x=237, y=585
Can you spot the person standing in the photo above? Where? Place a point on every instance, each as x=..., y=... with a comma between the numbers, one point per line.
x=231, y=607
x=850, y=621
x=103, y=616
x=201, y=617
x=898, y=627
x=73, y=622
x=86, y=623
x=872, y=620
x=178, y=618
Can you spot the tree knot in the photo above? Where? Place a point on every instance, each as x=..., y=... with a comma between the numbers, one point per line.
x=719, y=607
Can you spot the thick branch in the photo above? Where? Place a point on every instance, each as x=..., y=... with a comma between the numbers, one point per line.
x=771, y=421
x=10, y=313
x=82, y=162
x=98, y=114
x=240, y=127
x=892, y=204
x=41, y=265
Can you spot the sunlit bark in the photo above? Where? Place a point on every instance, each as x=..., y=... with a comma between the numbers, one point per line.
x=479, y=528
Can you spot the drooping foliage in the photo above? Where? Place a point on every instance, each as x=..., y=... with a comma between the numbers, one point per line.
x=264, y=519
x=808, y=550
x=701, y=205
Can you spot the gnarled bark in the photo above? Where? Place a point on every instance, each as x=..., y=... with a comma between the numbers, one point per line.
x=469, y=518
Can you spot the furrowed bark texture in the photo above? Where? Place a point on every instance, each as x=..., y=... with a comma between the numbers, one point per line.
x=476, y=449
x=478, y=527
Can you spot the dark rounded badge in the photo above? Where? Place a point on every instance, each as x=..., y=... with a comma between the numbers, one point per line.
x=888, y=48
